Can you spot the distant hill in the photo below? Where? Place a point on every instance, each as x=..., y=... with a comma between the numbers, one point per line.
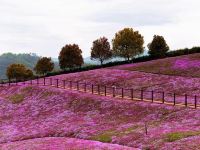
x=87, y=60
x=9, y=58
x=27, y=59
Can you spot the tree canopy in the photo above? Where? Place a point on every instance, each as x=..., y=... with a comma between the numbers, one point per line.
x=101, y=50
x=44, y=65
x=18, y=71
x=70, y=56
x=158, y=47
x=128, y=43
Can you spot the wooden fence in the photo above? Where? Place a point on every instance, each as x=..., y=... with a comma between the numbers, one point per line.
x=113, y=91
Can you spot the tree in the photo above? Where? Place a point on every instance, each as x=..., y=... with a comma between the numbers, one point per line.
x=44, y=65
x=158, y=47
x=101, y=50
x=18, y=71
x=128, y=43
x=70, y=56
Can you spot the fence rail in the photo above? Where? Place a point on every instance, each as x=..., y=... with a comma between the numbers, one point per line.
x=113, y=91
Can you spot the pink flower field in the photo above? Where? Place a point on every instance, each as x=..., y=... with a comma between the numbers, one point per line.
x=61, y=143
x=136, y=80
x=41, y=117
x=60, y=112
x=188, y=66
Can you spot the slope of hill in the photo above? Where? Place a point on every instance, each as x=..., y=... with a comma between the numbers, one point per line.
x=186, y=65
x=39, y=112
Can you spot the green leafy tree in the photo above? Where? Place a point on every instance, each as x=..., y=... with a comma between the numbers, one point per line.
x=128, y=43
x=101, y=50
x=44, y=65
x=70, y=56
x=18, y=71
x=158, y=47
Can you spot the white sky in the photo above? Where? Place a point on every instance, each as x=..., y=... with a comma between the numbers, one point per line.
x=45, y=26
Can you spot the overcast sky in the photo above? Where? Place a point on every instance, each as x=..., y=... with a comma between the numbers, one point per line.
x=45, y=26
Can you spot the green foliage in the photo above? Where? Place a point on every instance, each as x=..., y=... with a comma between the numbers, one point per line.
x=158, y=47
x=70, y=56
x=16, y=99
x=128, y=43
x=171, y=137
x=18, y=71
x=44, y=65
x=101, y=50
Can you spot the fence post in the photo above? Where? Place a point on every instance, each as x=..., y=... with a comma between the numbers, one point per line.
x=77, y=85
x=70, y=82
x=132, y=94
x=152, y=96
x=57, y=83
x=31, y=81
x=195, y=103
x=44, y=81
x=163, y=97
x=113, y=91
x=98, y=89
x=174, y=99
x=142, y=94
x=16, y=81
x=85, y=87
x=51, y=81
x=105, y=90
x=92, y=89
x=122, y=92
x=186, y=100
x=37, y=80
x=64, y=84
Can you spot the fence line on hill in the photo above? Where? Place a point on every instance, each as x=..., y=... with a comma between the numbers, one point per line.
x=113, y=91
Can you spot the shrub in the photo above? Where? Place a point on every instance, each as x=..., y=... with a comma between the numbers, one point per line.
x=158, y=47
x=70, y=57
x=18, y=71
x=44, y=65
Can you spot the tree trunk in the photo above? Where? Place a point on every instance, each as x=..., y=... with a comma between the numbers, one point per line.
x=101, y=62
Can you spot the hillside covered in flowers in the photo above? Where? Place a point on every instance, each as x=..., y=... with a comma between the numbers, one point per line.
x=45, y=117
x=31, y=112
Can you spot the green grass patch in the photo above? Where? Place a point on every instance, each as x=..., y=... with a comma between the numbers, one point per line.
x=171, y=137
x=106, y=136
x=27, y=89
x=46, y=94
x=16, y=98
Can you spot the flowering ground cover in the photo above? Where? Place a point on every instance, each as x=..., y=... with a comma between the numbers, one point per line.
x=187, y=65
x=137, y=80
x=29, y=112
x=61, y=143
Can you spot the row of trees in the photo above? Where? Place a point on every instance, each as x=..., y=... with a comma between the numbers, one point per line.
x=127, y=44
